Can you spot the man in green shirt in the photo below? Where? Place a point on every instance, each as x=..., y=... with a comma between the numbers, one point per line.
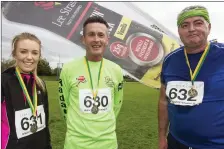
x=91, y=92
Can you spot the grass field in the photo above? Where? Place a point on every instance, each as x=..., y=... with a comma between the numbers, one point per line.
x=136, y=124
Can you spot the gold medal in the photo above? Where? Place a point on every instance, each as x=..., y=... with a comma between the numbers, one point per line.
x=193, y=92
x=94, y=109
x=33, y=128
x=33, y=106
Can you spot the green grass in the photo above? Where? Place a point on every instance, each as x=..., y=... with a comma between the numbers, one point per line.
x=136, y=123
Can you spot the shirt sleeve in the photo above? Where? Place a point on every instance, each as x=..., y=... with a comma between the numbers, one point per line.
x=64, y=91
x=162, y=79
x=3, y=88
x=118, y=93
x=2, y=94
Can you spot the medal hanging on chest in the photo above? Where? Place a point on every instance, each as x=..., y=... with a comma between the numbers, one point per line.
x=94, y=109
x=193, y=91
x=33, y=106
x=33, y=127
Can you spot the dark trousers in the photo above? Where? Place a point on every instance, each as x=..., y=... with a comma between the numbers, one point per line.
x=174, y=144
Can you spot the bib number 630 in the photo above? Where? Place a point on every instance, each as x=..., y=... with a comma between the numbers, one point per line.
x=101, y=101
x=180, y=94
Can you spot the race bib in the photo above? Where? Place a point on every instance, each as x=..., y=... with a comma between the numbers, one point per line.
x=182, y=93
x=103, y=100
x=25, y=121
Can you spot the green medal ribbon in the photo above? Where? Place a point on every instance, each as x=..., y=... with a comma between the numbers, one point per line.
x=21, y=82
x=199, y=65
x=90, y=76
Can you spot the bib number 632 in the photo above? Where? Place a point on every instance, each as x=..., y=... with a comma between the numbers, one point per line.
x=180, y=94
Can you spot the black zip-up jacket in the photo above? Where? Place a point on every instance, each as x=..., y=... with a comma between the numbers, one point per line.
x=12, y=100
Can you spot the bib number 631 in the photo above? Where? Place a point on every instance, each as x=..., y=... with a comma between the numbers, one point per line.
x=25, y=125
x=180, y=94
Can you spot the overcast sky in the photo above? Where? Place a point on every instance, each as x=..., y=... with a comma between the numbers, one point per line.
x=166, y=13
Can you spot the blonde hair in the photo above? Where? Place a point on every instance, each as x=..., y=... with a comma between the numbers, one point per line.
x=24, y=36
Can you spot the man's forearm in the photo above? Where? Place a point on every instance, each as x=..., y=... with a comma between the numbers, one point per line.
x=162, y=118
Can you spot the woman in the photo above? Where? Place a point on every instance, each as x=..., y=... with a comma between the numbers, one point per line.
x=24, y=99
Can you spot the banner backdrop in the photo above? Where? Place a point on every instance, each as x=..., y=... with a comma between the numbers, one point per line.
x=138, y=49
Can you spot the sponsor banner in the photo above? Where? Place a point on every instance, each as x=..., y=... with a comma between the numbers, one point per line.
x=138, y=49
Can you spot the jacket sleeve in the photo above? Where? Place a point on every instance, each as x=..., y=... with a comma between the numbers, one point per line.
x=46, y=105
x=64, y=91
x=118, y=92
x=2, y=94
x=5, y=130
x=3, y=84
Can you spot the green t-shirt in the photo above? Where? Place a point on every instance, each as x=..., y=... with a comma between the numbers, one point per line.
x=86, y=130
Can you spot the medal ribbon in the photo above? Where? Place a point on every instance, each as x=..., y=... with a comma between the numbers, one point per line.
x=90, y=76
x=33, y=107
x=199, y=65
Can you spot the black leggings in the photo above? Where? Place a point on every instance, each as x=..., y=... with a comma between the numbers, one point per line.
x=174, y=144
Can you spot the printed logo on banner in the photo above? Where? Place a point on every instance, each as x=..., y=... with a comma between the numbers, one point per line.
x=123, y=27
x=119, y=49
x=46, y=5
x=80, y=79
x=138, y=48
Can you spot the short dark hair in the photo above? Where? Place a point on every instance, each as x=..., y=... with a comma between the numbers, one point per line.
x=94, y=19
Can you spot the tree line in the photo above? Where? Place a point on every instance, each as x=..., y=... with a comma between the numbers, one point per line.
x=44, y=69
